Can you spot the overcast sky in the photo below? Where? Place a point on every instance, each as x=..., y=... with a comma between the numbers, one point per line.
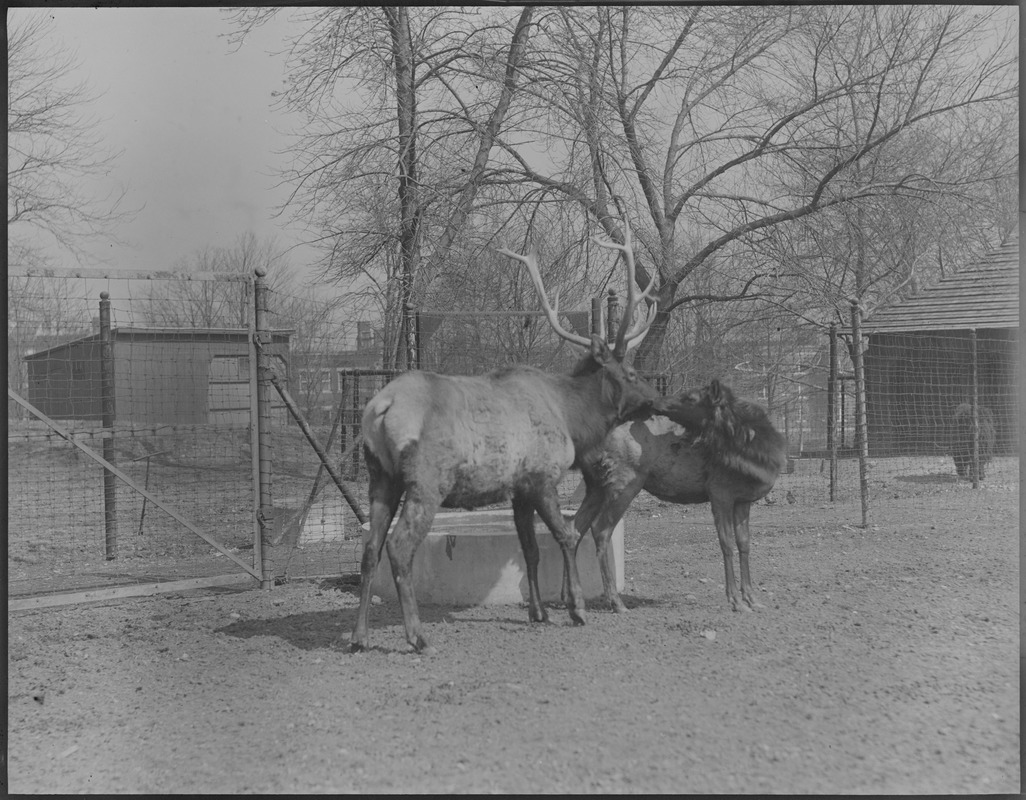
x=194, y=121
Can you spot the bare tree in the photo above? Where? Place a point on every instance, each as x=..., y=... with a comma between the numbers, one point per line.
x=41, y=312
x=54, y=150
x=207, y=302
x=403, y=107
x=319, y=330
x=723, y=123
x=719, y=125
x=883, y=249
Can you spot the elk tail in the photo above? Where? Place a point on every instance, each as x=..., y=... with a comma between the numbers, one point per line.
x=375, y=436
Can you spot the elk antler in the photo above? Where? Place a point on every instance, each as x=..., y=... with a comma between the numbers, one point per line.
x=626, y=340
x=551, y=311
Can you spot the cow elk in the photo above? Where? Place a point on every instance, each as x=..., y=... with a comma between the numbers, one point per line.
x=464, y=442
x=727, y=454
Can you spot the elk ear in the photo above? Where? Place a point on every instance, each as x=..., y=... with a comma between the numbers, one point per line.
x=715, y=392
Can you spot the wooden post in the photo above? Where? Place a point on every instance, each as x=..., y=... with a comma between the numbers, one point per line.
x=343, y=434
x=861, y=437
x=110, y=509
x=832, y=410
x=974, y=377
x=265, y=506
x=596, y=316
x=254, y=432
x=357, y=418
x=844, y=410
x=612, y=315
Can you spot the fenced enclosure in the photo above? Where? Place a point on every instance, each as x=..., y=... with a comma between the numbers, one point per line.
x=129, y=444
x=161, y=434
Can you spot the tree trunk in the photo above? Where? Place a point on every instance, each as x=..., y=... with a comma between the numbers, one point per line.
x=409, y=199
x=646, y=357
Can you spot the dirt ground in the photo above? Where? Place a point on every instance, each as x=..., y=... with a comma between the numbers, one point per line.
x=883, y=660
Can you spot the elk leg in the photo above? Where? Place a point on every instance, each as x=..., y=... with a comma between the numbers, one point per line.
x=523, y=519
x=723, y=518
x=741, y=536
x=602, y=531
x=586, y=513
x=601, y=534
x=564, y=588
x=567, y=539
x=384, y=500
x=414, y=524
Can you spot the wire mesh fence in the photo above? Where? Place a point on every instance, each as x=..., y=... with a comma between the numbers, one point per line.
x=168, y=396
x=332, y=372
x=132, y=433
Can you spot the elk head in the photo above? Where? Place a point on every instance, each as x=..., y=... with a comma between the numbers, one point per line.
x=694, y=408
x=632, y=396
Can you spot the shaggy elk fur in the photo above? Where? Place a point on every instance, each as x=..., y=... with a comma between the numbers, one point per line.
x=962, y=440
x=727, y=454
x=464, y=442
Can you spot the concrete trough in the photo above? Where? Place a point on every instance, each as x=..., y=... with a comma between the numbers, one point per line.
x=473, y=558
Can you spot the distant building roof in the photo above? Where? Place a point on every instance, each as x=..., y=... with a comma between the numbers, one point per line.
x=157, y=333
x=983, y=294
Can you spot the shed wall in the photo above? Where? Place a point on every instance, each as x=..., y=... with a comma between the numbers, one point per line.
x=915, y=380
x=66, y=382
x=162, y=380
x=157, y=379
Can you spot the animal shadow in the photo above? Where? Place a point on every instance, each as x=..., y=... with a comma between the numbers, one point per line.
x=632, y=601
x=330, y=630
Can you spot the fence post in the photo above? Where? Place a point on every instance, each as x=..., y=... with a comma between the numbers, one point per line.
x=612, y=315
x=832, y=409
x=861, y=432
x=265, y=506
x=974, y=377
x=596, y=316
x=343, y=433
x=357, y=416
x=110, y=510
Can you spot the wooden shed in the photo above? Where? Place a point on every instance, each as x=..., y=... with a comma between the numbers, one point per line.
x=161, y=375
x=919, y=361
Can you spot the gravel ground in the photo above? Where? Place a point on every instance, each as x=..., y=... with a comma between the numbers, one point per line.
x=883, y=660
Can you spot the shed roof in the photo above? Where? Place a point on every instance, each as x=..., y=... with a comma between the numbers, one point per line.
x=177, y=334
x=983, y=294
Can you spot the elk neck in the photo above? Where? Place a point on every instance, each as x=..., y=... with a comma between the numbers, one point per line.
x=591, y=407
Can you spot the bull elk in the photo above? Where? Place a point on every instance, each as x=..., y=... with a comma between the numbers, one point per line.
x=464, y=442
x=728, y=454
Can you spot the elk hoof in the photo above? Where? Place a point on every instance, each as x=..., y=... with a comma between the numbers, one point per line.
x=577, y=616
